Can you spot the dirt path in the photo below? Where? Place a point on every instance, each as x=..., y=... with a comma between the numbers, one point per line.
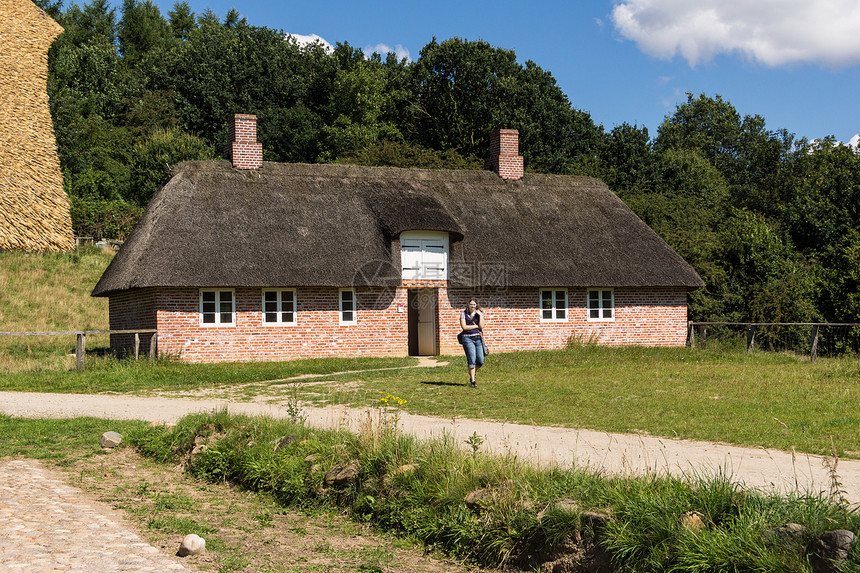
x=612, y=454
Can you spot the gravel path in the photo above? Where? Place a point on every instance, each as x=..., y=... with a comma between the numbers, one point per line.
x=611, y=454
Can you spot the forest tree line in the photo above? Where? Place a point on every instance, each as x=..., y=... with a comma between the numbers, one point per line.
x=770, y=222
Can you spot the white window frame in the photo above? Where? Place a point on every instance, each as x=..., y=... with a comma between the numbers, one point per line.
x=341, y=310
x=605, y=313
x=279, y=310
x=218, y=312
x=559, y=306
x=414, y=247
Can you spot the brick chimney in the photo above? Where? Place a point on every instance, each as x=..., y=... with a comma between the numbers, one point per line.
x=505, y=158
x=243, y=149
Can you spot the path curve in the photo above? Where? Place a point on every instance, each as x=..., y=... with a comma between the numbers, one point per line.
x=610, y=454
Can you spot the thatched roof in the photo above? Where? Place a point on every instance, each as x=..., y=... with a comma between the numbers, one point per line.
x=335, y=225
x=34, y=209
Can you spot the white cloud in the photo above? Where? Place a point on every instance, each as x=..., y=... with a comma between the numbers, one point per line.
x=384, y=49
x=312, y=39
x=772, y=32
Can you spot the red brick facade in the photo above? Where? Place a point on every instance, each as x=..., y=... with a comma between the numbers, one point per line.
x=649, y=317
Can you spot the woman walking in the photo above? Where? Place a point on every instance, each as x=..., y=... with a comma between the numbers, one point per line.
x=472, y=325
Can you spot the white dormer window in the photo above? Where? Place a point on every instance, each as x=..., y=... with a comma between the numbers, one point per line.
x=424, y=255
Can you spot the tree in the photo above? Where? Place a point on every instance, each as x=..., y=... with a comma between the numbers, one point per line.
x=461, y=90
x=357, y=105
x=748, y=156
x=626, y=159
x=182, y=21
x=94, y=24
x=154, y=155
x=142, y=29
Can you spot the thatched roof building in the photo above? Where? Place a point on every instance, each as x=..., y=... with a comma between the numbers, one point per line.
x=317, y=225
x=34, y=209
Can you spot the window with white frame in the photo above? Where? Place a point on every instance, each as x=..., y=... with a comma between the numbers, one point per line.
x=601, y=304
x=279, y=307
x=217, y=307
x=424, y=255
x=553, y=305
x=348, y=308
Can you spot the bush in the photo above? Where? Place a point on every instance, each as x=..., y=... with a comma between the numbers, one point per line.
x=103, y=218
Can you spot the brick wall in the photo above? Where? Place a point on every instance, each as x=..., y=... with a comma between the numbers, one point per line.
x=129, y=310
x=650, y=317
x=504, y=157
x=243, y=149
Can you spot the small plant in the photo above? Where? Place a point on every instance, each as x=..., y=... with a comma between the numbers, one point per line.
x=294, y=410
x=389, y=412
x=837, y=490
x=474, y=441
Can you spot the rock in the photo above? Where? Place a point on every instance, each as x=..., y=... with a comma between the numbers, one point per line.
x=192, y=545
x=692, y=521
x=340, y=475
x=788, y=532
x=828, y=550
x=594, y=521
x=478, y=499
x=407, y=469
x=286, y=442
x=569, y=505
x=110, y=439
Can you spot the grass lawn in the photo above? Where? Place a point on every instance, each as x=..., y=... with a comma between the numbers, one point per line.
x=765, y=399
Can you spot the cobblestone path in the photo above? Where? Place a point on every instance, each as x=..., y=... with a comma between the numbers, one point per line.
x=48, y=526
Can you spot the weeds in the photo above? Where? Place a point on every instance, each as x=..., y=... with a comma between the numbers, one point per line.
x=498, y=511
x=474, y=442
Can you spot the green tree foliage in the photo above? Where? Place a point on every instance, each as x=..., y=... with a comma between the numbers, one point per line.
x=182, y=21
x=461, y=90
x=142, y=29
x=153, y=156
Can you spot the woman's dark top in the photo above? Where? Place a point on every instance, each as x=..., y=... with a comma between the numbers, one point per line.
x=471, y=320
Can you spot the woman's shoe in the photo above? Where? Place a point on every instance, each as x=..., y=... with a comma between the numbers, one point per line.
x=473, y=384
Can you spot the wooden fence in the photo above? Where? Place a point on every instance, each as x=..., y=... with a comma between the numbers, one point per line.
x=80, y=346
x=751, y=328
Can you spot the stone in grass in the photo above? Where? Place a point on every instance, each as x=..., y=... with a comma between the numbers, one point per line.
x=340, y=475
x=192, y=545
x=110, y=439
x=788, y=532
x=828, y=551
x=692, y=521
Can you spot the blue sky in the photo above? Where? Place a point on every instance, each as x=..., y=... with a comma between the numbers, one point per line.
x=794, y=62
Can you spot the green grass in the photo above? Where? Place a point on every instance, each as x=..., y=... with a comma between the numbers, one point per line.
x=767, y=400
x=56, y=440
x=762, y=400
x=519, y=522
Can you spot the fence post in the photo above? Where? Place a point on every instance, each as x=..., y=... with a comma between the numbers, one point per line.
x=703, y=334
x=691, y=335
x=80, y=351
x=813, y=343
x=153, y=340
x=136, y=345
x=750, y=338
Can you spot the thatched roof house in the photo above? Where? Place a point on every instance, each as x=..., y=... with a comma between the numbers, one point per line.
x=34, y=209
x=317, y=225
x=541, y=250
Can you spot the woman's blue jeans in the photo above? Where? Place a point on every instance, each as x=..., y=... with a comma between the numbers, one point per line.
x=474, y=351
